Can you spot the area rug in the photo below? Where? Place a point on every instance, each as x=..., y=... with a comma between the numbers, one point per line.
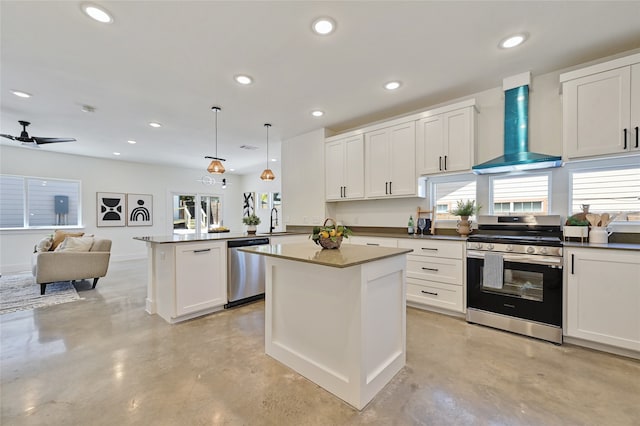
x=20, y=292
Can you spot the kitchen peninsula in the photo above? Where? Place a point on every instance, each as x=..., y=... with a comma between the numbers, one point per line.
x=187, y=273
x=337, y=317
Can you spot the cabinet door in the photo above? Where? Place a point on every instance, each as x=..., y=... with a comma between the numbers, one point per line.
x=429, y=145
x=458, y=137
x=603, y=297
x=377, y=163
x=635, y=108
x=334, y=169
x=402, y=165
x=354, y=168
x=596, y=110
x=200, y=277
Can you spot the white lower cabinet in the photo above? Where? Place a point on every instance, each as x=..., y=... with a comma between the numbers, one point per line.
x=372, y=241
x=603, y=296
x=290, y=239
x=436, y=274
x=191, y=279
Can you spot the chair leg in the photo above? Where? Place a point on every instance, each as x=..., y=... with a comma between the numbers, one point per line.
x=42, y=288
x=95, y=281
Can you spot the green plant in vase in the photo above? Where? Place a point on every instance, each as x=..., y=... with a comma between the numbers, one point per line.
x=464, y=209
x=252, y=221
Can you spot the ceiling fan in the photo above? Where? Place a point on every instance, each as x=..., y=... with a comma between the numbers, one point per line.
x=33, y=140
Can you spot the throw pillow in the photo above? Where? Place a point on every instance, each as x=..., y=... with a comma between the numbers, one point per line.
x=76, y=244
x=59, y=236
x=44, y=244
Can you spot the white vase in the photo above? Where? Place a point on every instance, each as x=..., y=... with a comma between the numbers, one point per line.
x=251, y=229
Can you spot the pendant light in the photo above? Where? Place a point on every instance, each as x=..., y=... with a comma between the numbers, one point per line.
x=216, y=167
x=267, y=174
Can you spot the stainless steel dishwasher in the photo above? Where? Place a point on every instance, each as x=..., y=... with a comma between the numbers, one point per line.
x=245, y=272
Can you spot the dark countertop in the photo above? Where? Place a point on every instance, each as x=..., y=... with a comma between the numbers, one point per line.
x=347, y=255
x=614, y=246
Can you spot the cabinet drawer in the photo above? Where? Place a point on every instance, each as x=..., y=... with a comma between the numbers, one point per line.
x=448, y=271
x=433, y=248
x=373, y=241
x=435, y=294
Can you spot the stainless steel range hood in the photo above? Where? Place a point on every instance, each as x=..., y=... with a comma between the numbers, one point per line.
x=516, y=133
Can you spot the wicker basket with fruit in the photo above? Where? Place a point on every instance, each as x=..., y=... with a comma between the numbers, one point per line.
x=330, y=236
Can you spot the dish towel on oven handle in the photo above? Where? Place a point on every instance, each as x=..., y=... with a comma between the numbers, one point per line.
x=493, y=273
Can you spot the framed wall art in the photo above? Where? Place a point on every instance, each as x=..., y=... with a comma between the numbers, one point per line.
x=249, y=204
x=264, y=200
x=139, y=210
x=111, y=209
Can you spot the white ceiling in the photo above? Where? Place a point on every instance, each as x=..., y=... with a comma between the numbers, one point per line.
x=170, y=61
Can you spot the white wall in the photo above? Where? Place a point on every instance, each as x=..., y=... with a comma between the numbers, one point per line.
x=253, y=183
x=101, y=175
x=303, y=185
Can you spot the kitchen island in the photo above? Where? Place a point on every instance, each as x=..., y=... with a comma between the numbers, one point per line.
x=337, y=317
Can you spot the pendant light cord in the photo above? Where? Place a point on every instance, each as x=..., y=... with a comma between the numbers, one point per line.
x=267, y=125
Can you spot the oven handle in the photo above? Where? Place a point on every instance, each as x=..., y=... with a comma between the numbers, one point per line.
x=553, y=261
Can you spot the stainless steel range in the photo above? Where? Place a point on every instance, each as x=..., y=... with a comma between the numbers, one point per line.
x=514, y=275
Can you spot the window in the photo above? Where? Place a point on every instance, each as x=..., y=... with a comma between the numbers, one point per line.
x=447, y=194
x=615, y=191
x=187, y=219
x=30, y=202
x=521, y=195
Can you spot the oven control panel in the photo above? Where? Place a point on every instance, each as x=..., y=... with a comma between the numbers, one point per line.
x=515, y=248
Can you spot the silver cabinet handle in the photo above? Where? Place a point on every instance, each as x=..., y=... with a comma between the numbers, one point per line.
x=429, y=292
x=430, y=249
x=372, y=244
x=202, y=251
x=430, y=269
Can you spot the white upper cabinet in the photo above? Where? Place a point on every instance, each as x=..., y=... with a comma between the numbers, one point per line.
x=344, y=169
x=389, y=161
x=601, y=109
x=445, y=142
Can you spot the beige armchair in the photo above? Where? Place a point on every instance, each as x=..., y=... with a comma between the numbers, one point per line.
x=54, y=266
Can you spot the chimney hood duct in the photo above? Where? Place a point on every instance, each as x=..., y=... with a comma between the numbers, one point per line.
x=516, y=136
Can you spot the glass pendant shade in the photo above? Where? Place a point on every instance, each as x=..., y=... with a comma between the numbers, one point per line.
x=215, y=167
x=267, y=174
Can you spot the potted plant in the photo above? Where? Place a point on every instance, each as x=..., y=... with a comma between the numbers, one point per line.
x=464, y=209
x=252, y=221
x=576, y=226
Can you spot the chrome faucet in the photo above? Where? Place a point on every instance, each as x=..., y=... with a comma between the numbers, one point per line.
x=271, y=220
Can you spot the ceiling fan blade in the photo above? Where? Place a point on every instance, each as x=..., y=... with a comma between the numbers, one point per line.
x=41, y=141
x=13, y=138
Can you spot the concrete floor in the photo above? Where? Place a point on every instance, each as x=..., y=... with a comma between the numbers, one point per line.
x=104, y=361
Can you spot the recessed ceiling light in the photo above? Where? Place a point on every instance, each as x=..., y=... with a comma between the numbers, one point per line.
x=97, y=13
x=132, y=142
x=323, y=26
x=274, y=159
x=243, y=79
x=116, y=153
x=232, y=170
x=317, y=113
x=513, y=41
x=392, y=85
x=21, y=94
x=155, y=124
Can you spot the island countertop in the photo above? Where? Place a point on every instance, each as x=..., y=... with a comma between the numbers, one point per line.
x=214, y=236
x=347, y=255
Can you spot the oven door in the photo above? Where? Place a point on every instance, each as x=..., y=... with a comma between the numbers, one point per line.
x=531, y=287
